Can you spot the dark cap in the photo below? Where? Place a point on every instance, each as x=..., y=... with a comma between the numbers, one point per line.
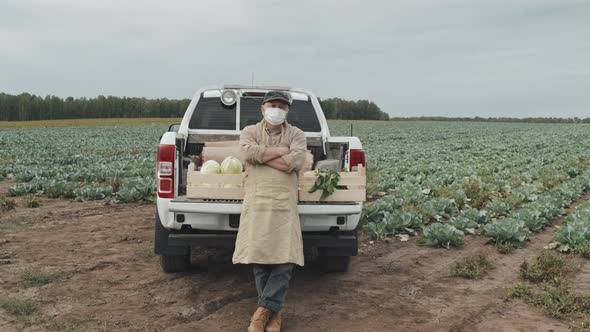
x=277, y=95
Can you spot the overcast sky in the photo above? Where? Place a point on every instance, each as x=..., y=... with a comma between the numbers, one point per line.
x=412, y=57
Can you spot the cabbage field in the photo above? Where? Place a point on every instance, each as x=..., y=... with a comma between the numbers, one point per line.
x=82, y=163
x=499, y=180
x=444, y=180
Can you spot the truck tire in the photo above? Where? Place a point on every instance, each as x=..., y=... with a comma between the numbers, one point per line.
x=335, y=263
x=175, y=263
x=172, y=258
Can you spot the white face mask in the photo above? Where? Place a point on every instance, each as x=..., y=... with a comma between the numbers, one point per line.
x=275, y=116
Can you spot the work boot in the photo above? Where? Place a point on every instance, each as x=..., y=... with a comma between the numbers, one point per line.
x=274, y=324
x=259, y=319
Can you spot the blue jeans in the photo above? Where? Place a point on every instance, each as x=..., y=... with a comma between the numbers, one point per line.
x=272, y=282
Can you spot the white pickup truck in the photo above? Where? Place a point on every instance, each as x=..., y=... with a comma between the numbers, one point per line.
x=329, y=229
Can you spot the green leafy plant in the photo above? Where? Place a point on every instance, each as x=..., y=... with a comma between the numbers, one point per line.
x=136, y=190
x=531, y=218
x=507, y=231
x=378, y=231
x=478, y=216
x=442, y=235
x=497, y=208
x=574, y=235
x=374, y=211
x=464, y=224
x=326, y=180
x=55, y=188
x=90, y=193
x=549, y=206
x=393, y=223
x=20, y=189
x=441, y=207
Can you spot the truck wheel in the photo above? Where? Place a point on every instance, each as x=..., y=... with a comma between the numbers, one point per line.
x=175, y=263
x=335, y=263
x=172, y=258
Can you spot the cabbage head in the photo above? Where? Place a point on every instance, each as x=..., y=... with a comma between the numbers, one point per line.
x=210, y=167
x=231, y=165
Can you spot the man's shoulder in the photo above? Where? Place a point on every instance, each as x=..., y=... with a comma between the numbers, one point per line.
x=294, y=130
x=251, y=128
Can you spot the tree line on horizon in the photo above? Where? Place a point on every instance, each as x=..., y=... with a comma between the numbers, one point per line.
x=337, y=108
x=29, y=107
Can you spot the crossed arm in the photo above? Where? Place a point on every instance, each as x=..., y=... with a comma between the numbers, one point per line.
x=273, y=157
x=285, y=159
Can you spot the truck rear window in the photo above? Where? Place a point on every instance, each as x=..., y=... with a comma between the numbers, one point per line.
x=212, y=114
x=301, y=114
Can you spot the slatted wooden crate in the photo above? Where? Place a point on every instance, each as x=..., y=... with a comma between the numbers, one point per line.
x=215, y=186
x=352, y=187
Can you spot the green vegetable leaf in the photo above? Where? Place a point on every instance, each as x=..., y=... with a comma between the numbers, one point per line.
x=326, y=180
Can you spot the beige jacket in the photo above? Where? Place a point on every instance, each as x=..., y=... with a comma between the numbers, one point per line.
x=253, y=143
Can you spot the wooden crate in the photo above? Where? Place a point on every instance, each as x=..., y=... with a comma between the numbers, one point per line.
x=355, y=191
x=212, y=186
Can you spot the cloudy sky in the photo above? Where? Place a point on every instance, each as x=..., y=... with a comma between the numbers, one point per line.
x=412, y=57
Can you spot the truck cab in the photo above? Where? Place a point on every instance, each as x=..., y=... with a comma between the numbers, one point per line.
x=181, y=223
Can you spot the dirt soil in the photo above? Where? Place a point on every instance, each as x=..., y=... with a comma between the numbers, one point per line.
x=112, y=281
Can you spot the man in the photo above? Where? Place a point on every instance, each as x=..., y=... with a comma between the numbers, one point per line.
x=269, y=236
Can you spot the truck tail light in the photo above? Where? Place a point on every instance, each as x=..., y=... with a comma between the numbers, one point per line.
x=356, y=157
x=165, y=171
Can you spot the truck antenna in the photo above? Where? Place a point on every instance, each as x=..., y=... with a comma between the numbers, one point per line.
x=252, y=79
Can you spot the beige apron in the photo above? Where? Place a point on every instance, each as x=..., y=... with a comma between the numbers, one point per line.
x=270, y=231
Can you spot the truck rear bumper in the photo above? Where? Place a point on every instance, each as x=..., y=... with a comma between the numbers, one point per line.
x=187, y=206
x=215, y=215
x=342, y=243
